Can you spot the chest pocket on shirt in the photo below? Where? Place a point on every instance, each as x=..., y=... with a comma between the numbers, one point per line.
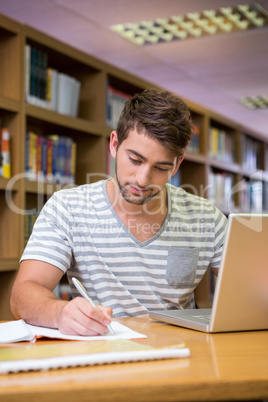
x=182, y=266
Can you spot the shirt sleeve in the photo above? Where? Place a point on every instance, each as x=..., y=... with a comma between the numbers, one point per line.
x=51, y=238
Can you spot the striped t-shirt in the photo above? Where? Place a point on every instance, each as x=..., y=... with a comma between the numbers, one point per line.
x=79, y=232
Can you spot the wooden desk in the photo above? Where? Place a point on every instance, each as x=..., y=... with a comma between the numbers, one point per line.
x=231, y=366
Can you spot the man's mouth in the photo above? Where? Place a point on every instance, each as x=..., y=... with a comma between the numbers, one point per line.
x=138, y=190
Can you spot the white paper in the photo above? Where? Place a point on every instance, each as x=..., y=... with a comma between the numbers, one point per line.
x=120, y=332
x=16, y=331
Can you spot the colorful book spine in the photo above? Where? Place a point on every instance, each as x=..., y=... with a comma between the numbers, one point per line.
x=5, y=152
x=50, y=159
x=194, y=145
x=31, y=173
x=39, y=152
x=221, y=145
x=1, y=160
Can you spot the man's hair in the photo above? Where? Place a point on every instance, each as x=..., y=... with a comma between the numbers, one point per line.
x=159, y=114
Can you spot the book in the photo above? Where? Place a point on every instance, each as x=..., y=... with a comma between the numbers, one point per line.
x=50, y=159
x=1, y=161
x=220, y=189
x=62, y=355
x=27, y=71
x=30, y=217
x=47, y=88
x=113, y=349
x=194, y=145
x=115, y=102
x=5, y=153
x=221, y=145
x=30, y=157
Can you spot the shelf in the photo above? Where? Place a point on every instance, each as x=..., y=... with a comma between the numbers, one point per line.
x=229, y=167
x=9, y=104
x=8, y=184
x=9, y=264
x=255, y=175
x=194, y=157
x=35, y=187
x=54, y=118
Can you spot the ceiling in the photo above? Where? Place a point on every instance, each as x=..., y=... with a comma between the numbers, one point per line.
x=213, y=71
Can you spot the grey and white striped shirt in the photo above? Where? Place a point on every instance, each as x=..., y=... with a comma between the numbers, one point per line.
x=79, y=232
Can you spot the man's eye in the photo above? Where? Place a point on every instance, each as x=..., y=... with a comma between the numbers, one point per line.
x=161, y=169
x=135, y=161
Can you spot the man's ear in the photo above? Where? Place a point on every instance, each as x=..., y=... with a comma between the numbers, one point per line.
x=178, y=165
x=113, y=143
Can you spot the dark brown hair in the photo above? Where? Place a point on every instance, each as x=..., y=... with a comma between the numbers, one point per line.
x=161, y=115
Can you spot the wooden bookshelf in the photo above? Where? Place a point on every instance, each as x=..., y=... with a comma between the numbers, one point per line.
x=90, y=130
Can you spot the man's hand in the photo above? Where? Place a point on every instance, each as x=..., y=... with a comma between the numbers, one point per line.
x=33, y=300
x=79, y=317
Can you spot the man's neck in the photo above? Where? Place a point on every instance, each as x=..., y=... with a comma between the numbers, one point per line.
x=143, y=221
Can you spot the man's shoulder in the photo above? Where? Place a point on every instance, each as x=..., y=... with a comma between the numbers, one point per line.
x=181, y=195
x=82, y=190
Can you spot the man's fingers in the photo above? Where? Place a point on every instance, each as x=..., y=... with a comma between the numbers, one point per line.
x=78, y=317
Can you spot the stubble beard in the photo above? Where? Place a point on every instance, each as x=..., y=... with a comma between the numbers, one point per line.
x=135, y=199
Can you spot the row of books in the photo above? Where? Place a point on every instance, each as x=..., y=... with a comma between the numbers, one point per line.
x=5, y=164
x=220, y=189
x=48, y=88
x=29, y=220
x=251, y=154
x=50, y=159
x=115, y=102
x=221, y=145
x=194, y=145
x=254, y=195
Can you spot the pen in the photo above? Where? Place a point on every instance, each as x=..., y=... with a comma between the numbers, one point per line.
x=81, y=289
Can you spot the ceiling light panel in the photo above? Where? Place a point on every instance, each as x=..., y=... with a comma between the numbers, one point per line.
x=255, y=102
x=194, y=25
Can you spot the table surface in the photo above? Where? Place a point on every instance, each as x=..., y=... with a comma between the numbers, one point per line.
x=221, y=367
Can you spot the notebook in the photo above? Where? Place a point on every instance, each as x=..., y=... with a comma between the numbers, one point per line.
x=241, y=295
x=28, y=357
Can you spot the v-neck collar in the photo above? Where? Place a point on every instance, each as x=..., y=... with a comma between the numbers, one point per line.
x=125, y=229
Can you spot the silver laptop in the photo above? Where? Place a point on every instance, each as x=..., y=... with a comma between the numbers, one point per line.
x=241, y=296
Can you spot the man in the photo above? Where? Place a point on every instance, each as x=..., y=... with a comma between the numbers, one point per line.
x=135, y=242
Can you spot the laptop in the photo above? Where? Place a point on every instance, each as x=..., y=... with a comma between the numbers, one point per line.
x=240, y=300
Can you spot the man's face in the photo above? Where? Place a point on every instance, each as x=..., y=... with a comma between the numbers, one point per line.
x=143, y=166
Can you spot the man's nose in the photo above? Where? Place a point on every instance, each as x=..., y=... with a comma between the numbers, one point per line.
x=144, y=176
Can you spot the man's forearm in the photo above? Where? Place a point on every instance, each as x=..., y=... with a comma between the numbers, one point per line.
x=36, y=304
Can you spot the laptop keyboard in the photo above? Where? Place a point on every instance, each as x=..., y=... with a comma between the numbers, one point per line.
x=203, y=317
